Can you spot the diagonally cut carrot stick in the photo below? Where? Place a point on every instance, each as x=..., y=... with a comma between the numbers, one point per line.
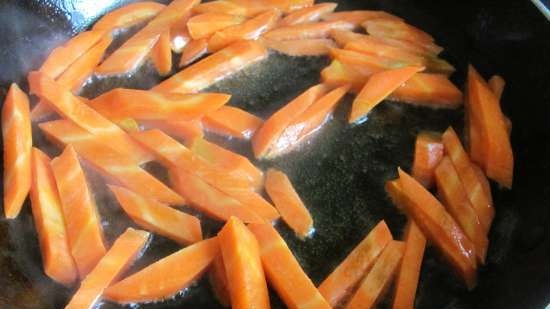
x=128, y=15
x=434, y=90
x=307, y=47
x=159, y=218
x=396, y=29
x=204, y=25
x=50, y=225
x=358, y=17
x=351, y=57
x=188, y=130
x=117, y=168
x=82, y=222
x=428, y=152
x=241, y=257
x=179, y=35
x=339, y=73
x=287, y=6
x=283, y=272
x=484, y=183
x=308, y=14
x=232, y=121
x=218, y=281
x=162, y=54
x=315, y=30
x=228, y=7
x=17, y=141
x=126, y=248
x=193, y=51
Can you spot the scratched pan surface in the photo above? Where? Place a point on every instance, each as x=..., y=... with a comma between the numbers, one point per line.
x=339, y=172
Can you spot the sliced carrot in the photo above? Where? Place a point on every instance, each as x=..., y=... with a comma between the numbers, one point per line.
x=288, y=203
x=63, y=56
x=307, y=47
x=456, y=201
x=351, y=57
x=233, y=122
x=126, y=248
x=396, y=29
x=377, y=88
x=17, y=141
x=80, y=113
x=213, y=68
x=484, y=183
x=158, y=217
x=315, y=30
x=241, y=258
x=248, y=30
x=121, y=103
x=497, y=84
x=286, y=6
x=188, y=130
x=473, y=183
x=434, y=90
x=193, y=51
x=344, y=278
x=111, y=164
x=204, y=25
x=50, y=225
x=273, y=127
x=128, y=15
x=428, y=152
x=378, y=280
x=82, y=222
x=134, y=51
x=339, y=74
x=179, y=35
x=228, y=7
x=358, y=17
x=162, y=54
x=308, y=14
x=284, y=272
x=218, y=281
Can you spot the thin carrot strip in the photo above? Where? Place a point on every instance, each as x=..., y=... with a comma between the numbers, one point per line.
x=434, y=90
x=179, y=35
x=286, y=6
x=241, y=257
x=396, y=29
x=339, y=73
x=315, y=30
x=284, y=272
x=351, y=57
x=228, y=7
x=82, y=222
x=17, y=141
x=428, y=152
x=50, y=225
x=358, y=17
x=162, y=54
x=218, y=281
x=193, y=51
x=484, y=183
x=188, y=130
x=307, y=47
x=128, y=15
x=204, y=25
x=308, y=14
x=121, y=255
x=232, y=121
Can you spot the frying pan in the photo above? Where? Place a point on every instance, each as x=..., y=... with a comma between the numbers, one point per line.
x=339, y=172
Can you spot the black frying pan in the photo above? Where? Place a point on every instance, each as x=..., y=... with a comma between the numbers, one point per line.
x=341, y=171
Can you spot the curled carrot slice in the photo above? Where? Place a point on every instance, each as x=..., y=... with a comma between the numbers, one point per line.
x=128, y=15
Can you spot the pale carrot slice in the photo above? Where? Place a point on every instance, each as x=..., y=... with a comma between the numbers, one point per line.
x=344, y=278
x=162, y=54
x=308, y=14
x=428, y=152
x=497, y=84
x=218, y=281
x=315, y=30
x=50, y=225
x=396, y=29
x=126, y=248
x=474, y=184
x=358, y=17
x=120, y=103
x=188, y=130
x=378, y=280
x=434, y=90
x=17, y=139
x=248, y=30
x=243, y=266
x=307, y=47
x=213, y=68
x=284, y=272
x=158, y=217
x=63, y=56
x=456, y=201
x=75, y=110
x=204, y=25
x=128, y=15
x=179, y=35
x=134, y=51
x=232, y=121
x=228, y=7
x=193, y=51
x=288, y=203
x=82, y=222
x=117, y=168
x=273, y=127
x=377, y=88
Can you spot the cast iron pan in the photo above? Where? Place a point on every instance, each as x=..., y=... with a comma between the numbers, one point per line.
x=339, y=172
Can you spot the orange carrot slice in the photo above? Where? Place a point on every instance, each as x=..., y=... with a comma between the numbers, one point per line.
x=179, y=35
x=128, y=15
x=273, y=127
x=232, y=121
x=379, y=278
x=456, y=201
x=162, y=54
x=218, y=281
x=339, y=74
x=188, y=130
x=214, y=68
x=111, y=164
x=248, y=30
x=17, y=137
x=307, y=47
x=165, y=277
x=308, y=14
x=377, y=88
x=284, y=272
x=396, y=29
x=497, y=84
x=351, y=57
x=343, y=280
x=474, y=184
x=286, y=6
x=204, y=25
x=121, y=255
x=73, y=109
x=288, y=203
x=358, y=17
x=120, y=103
x=241, y=258
x=484, y=183
x=50, y=225
x=428, y=152
x=433, y=90
x=315, y=30
x=193, y=51
x=82, y=222
x=159, y=218
x=228, y=7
